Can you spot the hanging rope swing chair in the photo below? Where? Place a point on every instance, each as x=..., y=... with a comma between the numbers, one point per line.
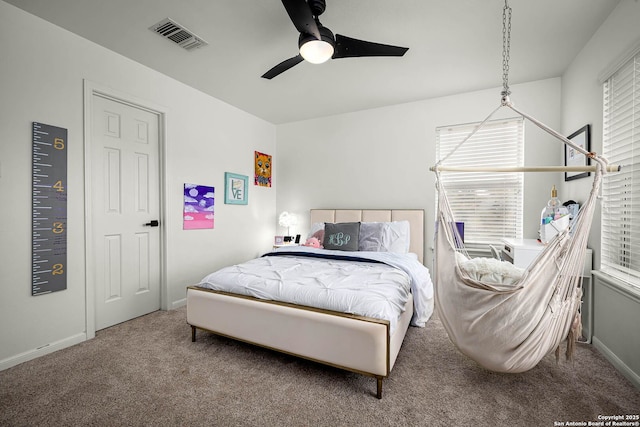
x=510, y=328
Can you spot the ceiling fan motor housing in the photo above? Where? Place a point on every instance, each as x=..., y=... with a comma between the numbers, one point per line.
x=325, y=35
x=317, y=6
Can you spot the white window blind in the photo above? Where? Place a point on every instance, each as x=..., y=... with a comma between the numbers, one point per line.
x=489, y=204
x=621, y=190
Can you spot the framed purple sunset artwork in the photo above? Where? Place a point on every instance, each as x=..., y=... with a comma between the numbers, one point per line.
x=198, y=207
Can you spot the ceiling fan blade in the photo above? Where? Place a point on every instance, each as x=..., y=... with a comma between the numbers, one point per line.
x=302, y=17
x=347, y=47
x=282, y=67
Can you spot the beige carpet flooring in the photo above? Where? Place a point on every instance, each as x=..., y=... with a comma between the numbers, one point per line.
x=147, y=372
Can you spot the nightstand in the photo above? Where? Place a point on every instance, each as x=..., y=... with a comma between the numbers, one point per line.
x=522, y=252
x=285, y=245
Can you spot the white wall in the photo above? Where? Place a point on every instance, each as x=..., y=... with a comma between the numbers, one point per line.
x=42, y=69
x=582, y=90
x=616, y=305
x=380, y=158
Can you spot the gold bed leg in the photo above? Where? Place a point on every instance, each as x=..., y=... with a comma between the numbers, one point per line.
x=379, y=394
x=193, y=333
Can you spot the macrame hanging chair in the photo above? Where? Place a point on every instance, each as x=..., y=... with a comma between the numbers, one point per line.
x=510, y=328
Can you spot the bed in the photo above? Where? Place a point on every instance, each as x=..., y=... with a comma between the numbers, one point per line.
x=365, y=344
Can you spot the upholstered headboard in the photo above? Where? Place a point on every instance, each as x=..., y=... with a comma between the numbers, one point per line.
x=414, y=216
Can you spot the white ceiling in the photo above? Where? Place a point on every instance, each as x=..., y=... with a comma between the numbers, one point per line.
x=455, y=46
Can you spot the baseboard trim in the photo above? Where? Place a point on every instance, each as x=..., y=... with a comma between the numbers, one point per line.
x=41, y=351
x=179, y=303
x=616, y=362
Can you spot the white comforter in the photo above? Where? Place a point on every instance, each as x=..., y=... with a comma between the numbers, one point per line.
x=373, y=289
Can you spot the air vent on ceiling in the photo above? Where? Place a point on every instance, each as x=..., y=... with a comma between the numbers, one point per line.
x=178, y=34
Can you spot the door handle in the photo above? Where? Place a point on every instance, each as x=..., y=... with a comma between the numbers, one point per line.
x=152, y=223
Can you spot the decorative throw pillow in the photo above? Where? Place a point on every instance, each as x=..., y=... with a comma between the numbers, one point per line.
x=341, y=236
x=385, y=236
x=371, y=235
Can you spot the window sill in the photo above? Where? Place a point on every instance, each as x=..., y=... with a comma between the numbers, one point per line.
x=625, y=288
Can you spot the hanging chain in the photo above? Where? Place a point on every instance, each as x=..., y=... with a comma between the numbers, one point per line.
x=506, y=45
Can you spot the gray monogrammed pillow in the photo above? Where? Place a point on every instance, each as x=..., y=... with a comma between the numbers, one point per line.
x=342, y=236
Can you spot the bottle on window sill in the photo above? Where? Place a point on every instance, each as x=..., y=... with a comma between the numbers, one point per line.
x=552, y=217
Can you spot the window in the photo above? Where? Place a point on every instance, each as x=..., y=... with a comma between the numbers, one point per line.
x=489, y=203
x=621, y=190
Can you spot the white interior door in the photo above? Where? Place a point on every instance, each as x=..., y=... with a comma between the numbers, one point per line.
x=125, y=200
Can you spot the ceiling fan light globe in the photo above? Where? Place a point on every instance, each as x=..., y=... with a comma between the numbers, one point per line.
x=316, y=51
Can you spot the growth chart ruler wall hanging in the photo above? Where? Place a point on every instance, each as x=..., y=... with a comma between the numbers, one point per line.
x=49, y=209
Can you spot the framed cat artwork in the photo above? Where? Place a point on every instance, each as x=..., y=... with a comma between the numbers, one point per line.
x=263, y=166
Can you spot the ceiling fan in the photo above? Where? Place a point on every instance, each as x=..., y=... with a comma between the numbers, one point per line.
x=317, y=43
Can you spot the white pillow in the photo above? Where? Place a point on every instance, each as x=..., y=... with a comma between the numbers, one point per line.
x=491, y=270
x=384, y=237
x=316, y=226
x=397, y=237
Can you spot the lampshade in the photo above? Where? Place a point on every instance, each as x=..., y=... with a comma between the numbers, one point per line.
x=316, y=51
x=287, y=220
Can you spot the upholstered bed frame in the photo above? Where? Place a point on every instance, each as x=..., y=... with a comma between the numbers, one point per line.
x=354, y=343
